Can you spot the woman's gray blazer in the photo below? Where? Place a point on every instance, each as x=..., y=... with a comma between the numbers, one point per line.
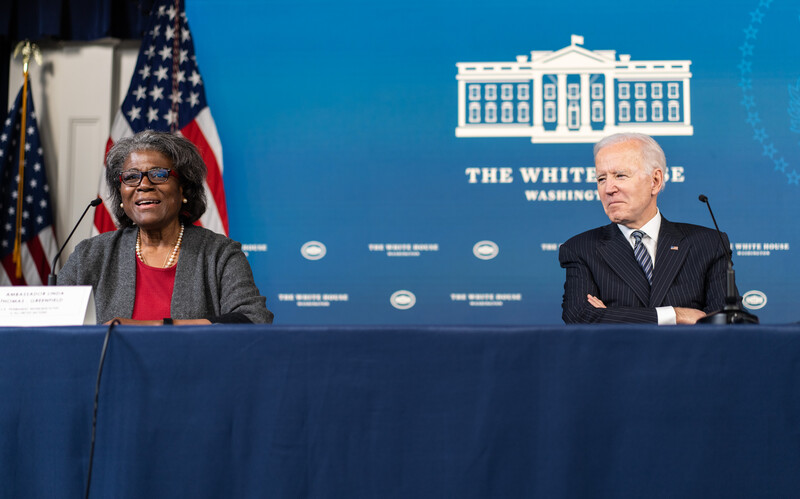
x=213, y=279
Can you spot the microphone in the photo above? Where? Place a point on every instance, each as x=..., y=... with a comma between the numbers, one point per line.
x=732, y=312
x=52, y=279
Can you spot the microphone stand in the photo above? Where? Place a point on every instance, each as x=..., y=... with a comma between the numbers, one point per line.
x=732, y=312
x=52, y=279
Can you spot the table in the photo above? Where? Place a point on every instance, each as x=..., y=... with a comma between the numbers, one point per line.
x=403, y=412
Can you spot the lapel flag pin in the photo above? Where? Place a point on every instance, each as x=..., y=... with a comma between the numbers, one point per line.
x=673, y=248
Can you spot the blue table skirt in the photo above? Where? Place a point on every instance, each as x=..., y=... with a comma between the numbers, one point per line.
x=403, y=412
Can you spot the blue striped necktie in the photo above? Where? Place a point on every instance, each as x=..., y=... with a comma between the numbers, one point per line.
x=642, y=256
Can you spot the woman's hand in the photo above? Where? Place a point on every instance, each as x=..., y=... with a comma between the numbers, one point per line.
x=131, y=322
x=158, y=322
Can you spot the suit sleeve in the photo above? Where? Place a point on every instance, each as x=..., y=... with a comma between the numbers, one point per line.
x=240, y=300
x=579, y=283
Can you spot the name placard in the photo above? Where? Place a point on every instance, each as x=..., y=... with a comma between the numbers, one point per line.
x=46, y=306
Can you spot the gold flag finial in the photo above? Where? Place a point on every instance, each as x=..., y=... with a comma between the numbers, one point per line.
x=28, y=49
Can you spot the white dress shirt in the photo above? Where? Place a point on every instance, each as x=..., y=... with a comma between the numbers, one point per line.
x=666, y=315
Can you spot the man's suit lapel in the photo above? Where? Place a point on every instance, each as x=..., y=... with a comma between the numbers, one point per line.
x=618, y=254
x=670, y=255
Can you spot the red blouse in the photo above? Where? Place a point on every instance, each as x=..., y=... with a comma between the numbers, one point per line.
x=153, y=291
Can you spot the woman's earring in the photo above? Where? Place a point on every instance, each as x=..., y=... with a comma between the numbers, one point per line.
x=185, y=200
x=121, y=206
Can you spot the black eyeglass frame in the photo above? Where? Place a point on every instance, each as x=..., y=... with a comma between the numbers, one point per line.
x=154, y=180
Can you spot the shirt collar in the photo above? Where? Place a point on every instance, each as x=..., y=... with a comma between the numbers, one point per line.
x=651, y=228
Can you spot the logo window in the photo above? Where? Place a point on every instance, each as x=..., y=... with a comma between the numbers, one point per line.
x=641, y=111
x=573, y=115
x=658, y=111
x=550, y=111
x=507, y=112
x=523, y=112
x=673, y=110
x=491, y=112
x=474, y=112
x=624, y=111
x=656, y=91
x=597, y=110
x=672, y=91
x=572, y=90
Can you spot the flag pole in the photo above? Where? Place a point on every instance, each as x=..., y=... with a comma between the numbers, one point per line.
x=176, y=66
x=28, y=49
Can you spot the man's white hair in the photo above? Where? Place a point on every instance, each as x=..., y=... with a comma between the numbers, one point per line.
x=652, y=155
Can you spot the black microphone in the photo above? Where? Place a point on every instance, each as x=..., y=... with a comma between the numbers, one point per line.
x=52, y=279
x=731, y=284
x=732, y=312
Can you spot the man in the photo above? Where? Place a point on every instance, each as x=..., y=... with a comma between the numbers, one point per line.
x=641, y=267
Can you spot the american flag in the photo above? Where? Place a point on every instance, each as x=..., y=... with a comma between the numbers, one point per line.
x=39, y=244
x=167, y=94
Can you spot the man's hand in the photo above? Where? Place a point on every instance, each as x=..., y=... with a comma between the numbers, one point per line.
x=688, y=315
x=595, y=301
x=682, y=315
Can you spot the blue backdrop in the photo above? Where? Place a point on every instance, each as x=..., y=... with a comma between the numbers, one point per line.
x=338, y=122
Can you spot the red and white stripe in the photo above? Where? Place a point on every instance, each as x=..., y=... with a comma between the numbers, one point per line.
x=37, y=254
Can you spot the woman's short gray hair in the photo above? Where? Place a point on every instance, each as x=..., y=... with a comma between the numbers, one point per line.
x=186, y=161
x=652, y=154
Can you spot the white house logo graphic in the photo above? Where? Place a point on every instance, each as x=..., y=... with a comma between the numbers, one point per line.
x=485, y=250
x=754, y=299
x=573, y=95
x=313, y=250
x=403, y=299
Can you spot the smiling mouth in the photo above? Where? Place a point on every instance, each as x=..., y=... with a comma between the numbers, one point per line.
x=147, y=202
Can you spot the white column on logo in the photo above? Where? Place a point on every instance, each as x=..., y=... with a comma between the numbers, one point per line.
x=562, y=103
x=462, y=103
x=537, y=102
x=687, y=103
x=586, y=104
x=610, y=103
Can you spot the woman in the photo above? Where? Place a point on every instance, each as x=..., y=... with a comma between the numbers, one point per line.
x=158, y=268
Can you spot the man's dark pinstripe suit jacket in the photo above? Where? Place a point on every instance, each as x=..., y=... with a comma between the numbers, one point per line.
x=690, y=271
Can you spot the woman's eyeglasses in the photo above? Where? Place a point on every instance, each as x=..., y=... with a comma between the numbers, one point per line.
x=156, y=175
